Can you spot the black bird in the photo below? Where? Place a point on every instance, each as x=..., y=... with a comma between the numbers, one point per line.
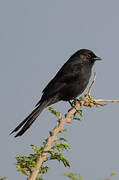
x=70, y=81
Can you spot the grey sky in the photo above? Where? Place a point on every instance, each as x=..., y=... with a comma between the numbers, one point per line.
x=36, y=38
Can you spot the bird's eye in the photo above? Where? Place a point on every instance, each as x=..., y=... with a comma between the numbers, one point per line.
x=88, y=56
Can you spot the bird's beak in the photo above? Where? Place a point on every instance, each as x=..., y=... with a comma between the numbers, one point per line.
x=97, y=58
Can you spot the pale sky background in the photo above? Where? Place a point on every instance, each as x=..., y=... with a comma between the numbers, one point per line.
x=36, y=39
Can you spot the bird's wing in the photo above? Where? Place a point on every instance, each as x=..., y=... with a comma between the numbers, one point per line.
x=66, y=75
x=52, y=89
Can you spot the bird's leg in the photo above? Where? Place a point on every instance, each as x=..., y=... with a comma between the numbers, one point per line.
x=75, y=100
x=72, y=103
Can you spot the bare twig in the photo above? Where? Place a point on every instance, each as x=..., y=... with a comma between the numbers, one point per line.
x=107, y=100
x=87, y=101
x=90, y=88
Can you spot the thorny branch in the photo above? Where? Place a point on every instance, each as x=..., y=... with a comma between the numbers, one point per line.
x=86, y=101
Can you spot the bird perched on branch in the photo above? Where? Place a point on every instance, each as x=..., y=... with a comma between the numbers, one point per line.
x=70, y=81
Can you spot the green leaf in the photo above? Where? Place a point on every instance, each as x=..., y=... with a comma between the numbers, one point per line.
x=63, y=139
x=59, y=157
x=81, y=98
x=77, y=119
x=61, y=146
x=113, y=173
x=53, y=111
x=44, y=169
x=65, y=162
x=37, y=149
x=3, y=178
x=73, y=176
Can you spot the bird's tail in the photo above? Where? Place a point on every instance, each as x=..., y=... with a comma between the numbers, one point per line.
x=28, y=121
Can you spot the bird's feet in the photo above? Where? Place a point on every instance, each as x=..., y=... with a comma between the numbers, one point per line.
x=73, y=103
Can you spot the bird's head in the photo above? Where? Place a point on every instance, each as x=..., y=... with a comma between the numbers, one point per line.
x=87, y=55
